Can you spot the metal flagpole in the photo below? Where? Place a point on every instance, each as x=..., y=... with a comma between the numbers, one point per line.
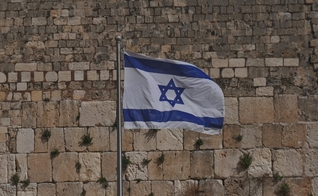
x=119, y=136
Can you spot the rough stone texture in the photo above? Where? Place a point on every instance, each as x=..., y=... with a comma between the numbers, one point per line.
x=73, y=139
x=69, y=113
x=145, y=140
x=286, y=108
x=46, y=189
x=294, y=135
x=311, y=168
x=176, y=165
x=226, y=162
x=136, y=169
x=287, y=162
x=69, y=188
x=94, y=189
x=100, y=138
x=262, y=112
x=140, y=188
x=109, y=166
x=8, y=189
x=188, y=187
x=201, y=164
x=97, y=113
x=30, y=190
x=209, y=141
x=237, y=185
x=25, y=140
x=90, y=170
x=211, y=187
x=64, y=167
x=155, y=171
x=272, y=135
x=21, y=164
x=261, y=165
x=47, y=114
x=162, y=188
x=39, y=168
x=231, y=110
x=170, y=139
x=312, y=135
x=3, y=169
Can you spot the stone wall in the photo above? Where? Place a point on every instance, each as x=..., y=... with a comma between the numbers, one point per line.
x=58, y=91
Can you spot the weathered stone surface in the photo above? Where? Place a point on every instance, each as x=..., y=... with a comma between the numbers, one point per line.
x=211, y=187
x=100, y=138
x=226, y=162
x=286, y=108
x=298, y=186
x=261, y=164
x=209, y=141
x=237, y=185
x=311, y=167
x=64, y=167
x=22, y=166
x=69, y=188
x=231, y=110
x=251, y=136
x=308, y=108
x=39, y=168
x=127, y=139
x=155, y=171
x=46, y=189
x=287, y=162
x=162, y=188
x=141, y=188
x=176, y=165
x=314, y=185
x=169, y=139
x=261, y=112
x=294, y=135
x=30, y=190
x=69, y=113
x=25, y=140
x=47, y=114
x=91, y=168
x=145, y=140
x=109, y=165
x=272, y=135
x=136, y=169
x=29, y=111
x=94, y=189
x=188, y=187
x=312, y=135
x=100, y=113
x=73, y=139
x=3, y=169
x=232, y=135
x=8, y=190
x=201, y=164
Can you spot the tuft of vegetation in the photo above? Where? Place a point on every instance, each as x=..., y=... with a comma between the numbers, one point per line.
x=86, y=140
x=246, y=160
x=198, y=143
x=26, y=182
x=54, y=153
x=78, y=117
x=146, y=161
x=151, y=194
x=46, y=99
x=125, y=162
x=83, y=192
x=277, y=177
x=138, y=180
x=103, y=182
x=46, y=135
x=284, y=189
x=15, y=179
x=238, y=138
x=161, y=159
x=78, y=166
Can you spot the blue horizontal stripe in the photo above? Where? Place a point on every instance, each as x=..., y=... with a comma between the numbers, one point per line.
x=148, y=115
x=162, y=67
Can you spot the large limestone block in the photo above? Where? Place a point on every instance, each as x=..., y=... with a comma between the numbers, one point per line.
x=91, y=167
x=136, y=169
x=251, y=136
x=155, y=171
x=201, y=164
x=73, y=139
x=4, y=169
x=8, y=190
x=109, y=165
x=46, y=189
x=272, y=135
x=162, y=188
x=98, y=113
x=261, y=164
x=312, y=135
x=127, y=139
x=187, y=187
x=286, y=108
x=308, y=108
x=47, y=114
x=64, y=167
x=94, y=189
x=226, y=162
x=69, y=113
x=209, y=141
x=100, y=138
x=170, y=139
x=69, y=188
x=29, y=111
x=294, y=135
x=237, y=185
x=30, y=190
x=231, y=110
x=145, y=140
x=298, y=186
x=39, y=167
x=141, y=188
x=256, y=110
x=311, y=166
x=22, y=166
x=211, y=187
x=56, y=140
x=287, y=162
x=314, y=185
x=25, y=140
x=176, y=165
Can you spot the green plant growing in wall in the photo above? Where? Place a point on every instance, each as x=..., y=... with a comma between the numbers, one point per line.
x=246, y=160
x=238, y=138
x=46, y=135
x=146, y=161
x=46, y=99
x=198, y=143
x=26, y=182
x=125, y=162
x=15, y=179
x=161, y=159
x=151, y=194
x=78, y=117
x=138, y=180
x=78, y=166
x=103, y=182
x=277, y=177
x=284, y=189
x=54, y=153
x=86, y=140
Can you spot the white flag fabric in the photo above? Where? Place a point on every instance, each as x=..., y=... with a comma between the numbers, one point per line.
x=163, y=93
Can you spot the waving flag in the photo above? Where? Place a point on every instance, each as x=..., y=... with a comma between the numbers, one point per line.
x=163, y=93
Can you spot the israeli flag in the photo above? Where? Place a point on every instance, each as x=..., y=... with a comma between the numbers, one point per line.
x=163, y=93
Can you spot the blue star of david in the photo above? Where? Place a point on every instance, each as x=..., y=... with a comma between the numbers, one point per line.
x=177, y=90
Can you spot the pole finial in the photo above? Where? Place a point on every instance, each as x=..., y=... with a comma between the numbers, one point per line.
x=118, y=38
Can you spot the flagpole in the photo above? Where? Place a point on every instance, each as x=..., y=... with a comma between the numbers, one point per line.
x=119, y=133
